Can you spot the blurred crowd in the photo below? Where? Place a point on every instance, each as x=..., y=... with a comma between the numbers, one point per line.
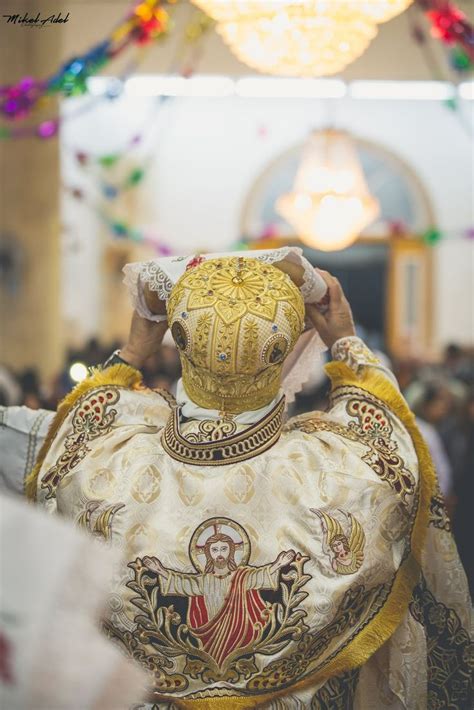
x=441, y=395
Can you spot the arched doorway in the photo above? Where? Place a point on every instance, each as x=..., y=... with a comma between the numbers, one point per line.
x=387, y=276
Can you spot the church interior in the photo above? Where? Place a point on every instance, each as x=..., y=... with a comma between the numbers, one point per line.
x=136, y=130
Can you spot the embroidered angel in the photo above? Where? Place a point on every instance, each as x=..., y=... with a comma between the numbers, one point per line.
x=345, y=549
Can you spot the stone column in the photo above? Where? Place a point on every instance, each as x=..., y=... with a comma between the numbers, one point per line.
x=30, y=327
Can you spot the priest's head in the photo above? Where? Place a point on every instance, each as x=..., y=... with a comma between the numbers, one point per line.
x=234, y=321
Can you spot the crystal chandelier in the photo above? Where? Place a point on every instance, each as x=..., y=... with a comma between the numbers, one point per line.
x=330, y=203
x=299, y=37
x=378, y=10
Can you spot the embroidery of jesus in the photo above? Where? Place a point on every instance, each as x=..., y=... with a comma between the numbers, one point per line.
x=226, y=612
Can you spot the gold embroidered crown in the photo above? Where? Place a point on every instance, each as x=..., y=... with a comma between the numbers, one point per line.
x=234, y=321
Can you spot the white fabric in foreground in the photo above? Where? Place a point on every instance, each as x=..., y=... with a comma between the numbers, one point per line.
x=53, y=589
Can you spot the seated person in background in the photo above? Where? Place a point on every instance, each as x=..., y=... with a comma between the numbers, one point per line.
x=298, y=564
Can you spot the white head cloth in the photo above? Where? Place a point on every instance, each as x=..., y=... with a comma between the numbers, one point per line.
x=160, y=275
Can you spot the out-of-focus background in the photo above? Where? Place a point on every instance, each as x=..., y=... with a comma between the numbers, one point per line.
x=132, y=130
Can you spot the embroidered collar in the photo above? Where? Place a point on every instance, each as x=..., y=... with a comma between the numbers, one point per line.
x=217, y=442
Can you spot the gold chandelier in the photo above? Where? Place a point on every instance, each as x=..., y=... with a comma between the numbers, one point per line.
x=330, y=203
x=378, y=10
x=299, y=37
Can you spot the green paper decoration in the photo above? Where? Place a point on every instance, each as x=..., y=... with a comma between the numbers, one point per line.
x=460, y=59
x=451, y=104
x=135, y=176
x=432, y=236
x=107, y=161
x=120, y=229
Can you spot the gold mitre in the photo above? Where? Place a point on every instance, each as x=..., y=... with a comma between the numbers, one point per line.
x=234, y=321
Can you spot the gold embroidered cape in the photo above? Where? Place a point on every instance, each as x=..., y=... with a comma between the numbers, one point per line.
x=304, y=565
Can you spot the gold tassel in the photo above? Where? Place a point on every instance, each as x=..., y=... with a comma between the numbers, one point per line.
x=119, y=375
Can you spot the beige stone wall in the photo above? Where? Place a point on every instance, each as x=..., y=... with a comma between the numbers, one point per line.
x=30, y=329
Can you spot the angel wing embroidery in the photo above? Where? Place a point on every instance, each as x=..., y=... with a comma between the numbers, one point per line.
x=345, y=549
x=101, y=526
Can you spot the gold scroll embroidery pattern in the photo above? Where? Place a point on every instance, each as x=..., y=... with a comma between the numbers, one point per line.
x=357, y=607
x=98, y=522
x=92, y=418
x=382, y=456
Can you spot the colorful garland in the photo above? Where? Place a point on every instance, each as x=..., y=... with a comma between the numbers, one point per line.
x=452, y=27
x=121, y=229
x=395, y=229
x=147, y=22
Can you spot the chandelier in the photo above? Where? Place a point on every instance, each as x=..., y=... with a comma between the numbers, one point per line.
x=299, y=37
x=330, y=203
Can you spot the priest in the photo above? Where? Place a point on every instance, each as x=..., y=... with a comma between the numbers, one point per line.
x=301, y=563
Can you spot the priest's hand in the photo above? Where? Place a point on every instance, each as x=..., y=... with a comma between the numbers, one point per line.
x=337, y=322
x=144, y=340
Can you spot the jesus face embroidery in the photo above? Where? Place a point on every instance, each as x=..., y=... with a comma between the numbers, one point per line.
x=220, y=554
x=227, y=614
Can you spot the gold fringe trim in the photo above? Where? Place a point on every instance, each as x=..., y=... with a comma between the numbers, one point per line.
x=120, y=375
x=385, y=623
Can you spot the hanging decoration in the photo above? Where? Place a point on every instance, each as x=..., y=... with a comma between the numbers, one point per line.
x=112, y=189
x=330, y=203
x=457, y=58
x=299, y=37
x=120, y=228
x=147, y=22
x=460, y=60
x=432, y=236
x=99, y=167
x=450, y=25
